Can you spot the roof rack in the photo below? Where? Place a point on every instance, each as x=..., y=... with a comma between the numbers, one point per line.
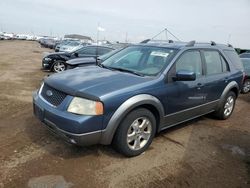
x=191, y=43
x=158, y=41
x=213, y=43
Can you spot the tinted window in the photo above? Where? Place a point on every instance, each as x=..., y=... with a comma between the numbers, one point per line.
x=234, y=58
x=246, y=65
x=245, y=55
x=87, y=51
x=215, y=63
x=190, y=61
x=101, y=51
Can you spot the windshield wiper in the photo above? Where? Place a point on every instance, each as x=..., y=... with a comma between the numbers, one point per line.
x=126, y=70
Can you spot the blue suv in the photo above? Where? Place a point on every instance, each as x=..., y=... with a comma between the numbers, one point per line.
x=138, y=92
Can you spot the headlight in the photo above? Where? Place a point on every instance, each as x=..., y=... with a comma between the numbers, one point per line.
x=85, y=107
x=47, y=59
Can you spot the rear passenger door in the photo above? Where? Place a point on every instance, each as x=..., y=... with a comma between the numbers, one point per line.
x=216, y=74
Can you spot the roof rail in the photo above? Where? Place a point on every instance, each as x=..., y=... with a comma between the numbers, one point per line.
x=148, y=40
x=213, y=43
x=191, y=43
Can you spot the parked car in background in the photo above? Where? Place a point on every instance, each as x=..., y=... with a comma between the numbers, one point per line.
x=246, y=84
x=71, y=46
x=245, y=55
x=85, y=61
x=62, y=43
x=56, y=61
x=139, y=92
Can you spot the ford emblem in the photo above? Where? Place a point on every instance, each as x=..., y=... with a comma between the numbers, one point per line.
x=49, y=93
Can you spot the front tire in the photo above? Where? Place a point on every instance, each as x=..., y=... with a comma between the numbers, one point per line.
x=59, y=66
x=135, y=133
x=227, y=106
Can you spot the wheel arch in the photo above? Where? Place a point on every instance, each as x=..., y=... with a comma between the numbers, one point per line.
x=232, y=86
x=139, y=101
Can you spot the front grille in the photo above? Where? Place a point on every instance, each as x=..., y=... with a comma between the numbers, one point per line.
x=51, y=95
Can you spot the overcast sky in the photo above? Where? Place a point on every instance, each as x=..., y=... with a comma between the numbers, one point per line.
x=200, y=20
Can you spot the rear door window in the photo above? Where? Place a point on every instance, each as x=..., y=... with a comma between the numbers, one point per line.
x=88, y=51
x=215, y=63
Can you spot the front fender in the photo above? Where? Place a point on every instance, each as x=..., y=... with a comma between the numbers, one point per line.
x=124, y=109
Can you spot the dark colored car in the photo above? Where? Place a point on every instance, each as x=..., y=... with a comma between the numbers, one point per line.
x=138, y=92
x=56, y=61
x=85, y=61
x=48, y=43
x=246, y=84
x=245, y=55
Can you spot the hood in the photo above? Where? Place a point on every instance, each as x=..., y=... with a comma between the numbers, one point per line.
x=58, y=54
x=78, y=61
x=93, y=82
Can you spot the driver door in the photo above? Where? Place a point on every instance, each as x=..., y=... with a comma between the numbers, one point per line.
x=183, y=98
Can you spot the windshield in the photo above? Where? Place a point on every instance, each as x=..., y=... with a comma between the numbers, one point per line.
x=141, y=59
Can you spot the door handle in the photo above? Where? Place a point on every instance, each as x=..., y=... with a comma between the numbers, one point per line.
x=199, y=85
x=226, y=79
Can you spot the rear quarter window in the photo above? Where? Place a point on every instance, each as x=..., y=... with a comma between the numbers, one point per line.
x=234, y=58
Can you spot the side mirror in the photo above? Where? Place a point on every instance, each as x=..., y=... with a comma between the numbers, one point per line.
x=185, y=75
x=76, y=54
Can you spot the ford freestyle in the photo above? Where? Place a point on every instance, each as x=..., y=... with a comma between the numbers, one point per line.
x=139, y=91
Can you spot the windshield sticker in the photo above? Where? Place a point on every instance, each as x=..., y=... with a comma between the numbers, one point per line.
x=162, y=54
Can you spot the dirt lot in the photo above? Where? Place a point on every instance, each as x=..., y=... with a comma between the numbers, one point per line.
x=201, y=153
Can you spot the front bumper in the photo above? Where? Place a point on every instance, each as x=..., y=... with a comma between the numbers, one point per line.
x=46, y=65
x=75, y=129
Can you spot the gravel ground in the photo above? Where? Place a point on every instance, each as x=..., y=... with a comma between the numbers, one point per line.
x=201, y=153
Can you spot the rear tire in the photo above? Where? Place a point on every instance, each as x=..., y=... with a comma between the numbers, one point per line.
x=135, y=133
x=246, y=87
x=227, y=106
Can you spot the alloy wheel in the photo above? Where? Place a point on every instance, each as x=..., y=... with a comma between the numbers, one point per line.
x=139, y=133
x=229, y=105
x=59, y=67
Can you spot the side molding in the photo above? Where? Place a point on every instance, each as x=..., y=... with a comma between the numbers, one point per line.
x=124, y=109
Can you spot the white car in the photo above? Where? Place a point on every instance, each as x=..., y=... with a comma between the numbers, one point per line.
x=71, y=46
